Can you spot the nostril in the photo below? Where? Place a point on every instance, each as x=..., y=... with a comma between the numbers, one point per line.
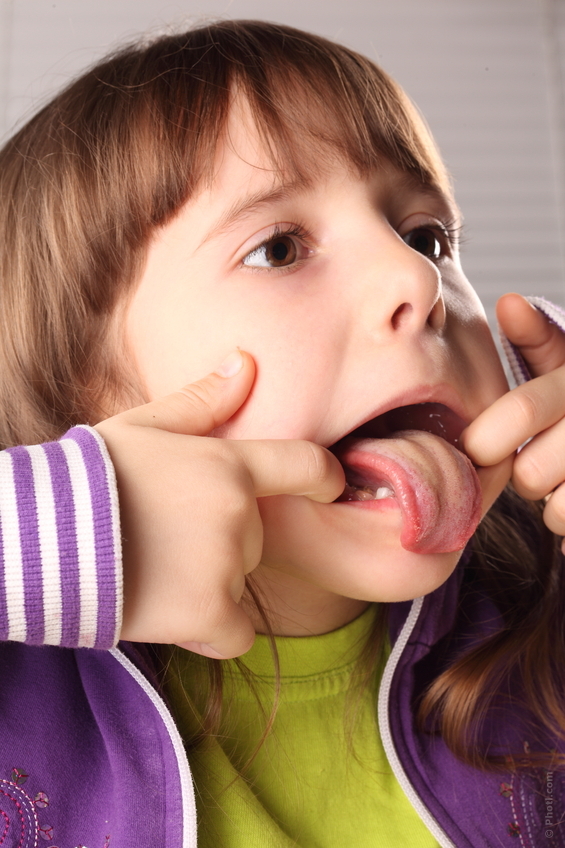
x=437, y=316
x=401, y=315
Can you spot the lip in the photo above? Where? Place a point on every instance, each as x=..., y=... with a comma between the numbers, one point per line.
x=442, y=394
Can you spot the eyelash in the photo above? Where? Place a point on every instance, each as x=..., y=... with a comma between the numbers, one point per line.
x=298, y=231
x=451, y=230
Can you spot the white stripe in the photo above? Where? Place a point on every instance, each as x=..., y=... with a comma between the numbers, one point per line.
x=386, y=735
x=13, y=565
x=552, y=311
x=84, y=523
x=116, y=527
x=48, y=545
x=187, y=789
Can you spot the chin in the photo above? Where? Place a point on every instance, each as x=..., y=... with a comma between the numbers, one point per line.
x=348, y=551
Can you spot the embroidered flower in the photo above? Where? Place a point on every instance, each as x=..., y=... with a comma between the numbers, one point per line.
x=45, y=831
x=513, y=829
x=41, y=800
x=19, y=776
x=505, y=790
x=27, y=805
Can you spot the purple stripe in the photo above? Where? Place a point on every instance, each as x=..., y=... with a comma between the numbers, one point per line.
x=103, y=534
x=3, y=605
x=66, y=537
x=29, y=541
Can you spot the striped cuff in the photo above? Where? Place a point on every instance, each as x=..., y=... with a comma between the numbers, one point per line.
x=556, y=315
x=60, y=544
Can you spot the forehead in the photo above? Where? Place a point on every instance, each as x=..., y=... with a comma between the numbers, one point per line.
x=251, y=170
x=248, y=150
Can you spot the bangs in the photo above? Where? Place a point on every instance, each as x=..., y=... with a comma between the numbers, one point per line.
x=313, y=103
x=86, y=182
x=316, y=103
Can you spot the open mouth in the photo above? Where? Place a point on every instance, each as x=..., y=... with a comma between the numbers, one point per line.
x=434, y=418
x=410, y=458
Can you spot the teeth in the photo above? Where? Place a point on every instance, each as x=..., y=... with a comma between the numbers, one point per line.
x=383, y=492
x=366, y=493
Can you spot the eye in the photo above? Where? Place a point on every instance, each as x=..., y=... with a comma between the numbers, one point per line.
x=426, y=241
x=281, y=250
x=278, y=252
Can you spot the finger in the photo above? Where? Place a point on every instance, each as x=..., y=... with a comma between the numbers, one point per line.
x=540, y=466
x=514, y=418
x=541, y=343
x=201, y=406
x=493, y=479
x=292, y=467
x=232, y=638
x=554, y=512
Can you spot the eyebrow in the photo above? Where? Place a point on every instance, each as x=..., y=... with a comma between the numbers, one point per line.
x=410, y=181
x=247, y=206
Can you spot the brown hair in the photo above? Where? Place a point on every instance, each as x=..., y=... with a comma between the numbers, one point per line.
x=113, y=157
x=85, y=183
x=515, y=673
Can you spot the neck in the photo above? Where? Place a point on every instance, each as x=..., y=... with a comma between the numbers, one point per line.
x=296, y=608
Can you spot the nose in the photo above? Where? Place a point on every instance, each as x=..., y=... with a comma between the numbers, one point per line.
x=404, y=290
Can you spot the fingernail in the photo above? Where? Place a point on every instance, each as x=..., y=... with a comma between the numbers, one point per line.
x=232, y=365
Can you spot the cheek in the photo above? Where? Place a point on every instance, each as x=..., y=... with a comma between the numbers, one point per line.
x=472, y=343
x=335, y=548
x=286, y=399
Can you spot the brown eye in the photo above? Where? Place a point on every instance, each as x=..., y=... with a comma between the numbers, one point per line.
x=425, y=241
x=280, y=251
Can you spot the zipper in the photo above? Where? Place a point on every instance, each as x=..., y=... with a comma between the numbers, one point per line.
x=187, y=788
x=386, y=736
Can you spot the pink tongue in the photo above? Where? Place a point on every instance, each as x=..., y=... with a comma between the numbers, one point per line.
x=436, y=486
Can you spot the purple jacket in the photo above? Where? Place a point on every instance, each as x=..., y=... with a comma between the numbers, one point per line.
x=89, y=753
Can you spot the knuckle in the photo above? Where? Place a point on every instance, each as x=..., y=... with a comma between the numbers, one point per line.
x=200, y=398
x=554, y=513
x=559, y=513
x=221, y=618
x=218, y=611
x=530, y=474
x=234, y=504
x=252, y=548
x=318, y=464
x=527, y=410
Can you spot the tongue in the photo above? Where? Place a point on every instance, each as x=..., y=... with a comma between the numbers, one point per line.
x=436, y=486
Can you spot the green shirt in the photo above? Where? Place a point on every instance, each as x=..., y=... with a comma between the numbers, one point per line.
x=321, y=778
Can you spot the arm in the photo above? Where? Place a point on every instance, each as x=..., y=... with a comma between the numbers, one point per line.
x=60, y=548
x=187, y=546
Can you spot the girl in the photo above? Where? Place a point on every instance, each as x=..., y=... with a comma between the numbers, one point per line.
x=250, y=188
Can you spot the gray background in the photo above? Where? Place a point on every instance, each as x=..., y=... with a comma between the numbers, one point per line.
x=488, y=75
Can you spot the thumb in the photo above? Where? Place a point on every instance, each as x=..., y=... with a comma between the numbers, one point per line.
x=200, y=407
x=541, y=344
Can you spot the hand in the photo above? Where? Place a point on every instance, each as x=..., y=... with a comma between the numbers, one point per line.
x=535, y=410
x=188, y=505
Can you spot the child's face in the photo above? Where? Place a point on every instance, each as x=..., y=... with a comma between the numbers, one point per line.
x=362, y=307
